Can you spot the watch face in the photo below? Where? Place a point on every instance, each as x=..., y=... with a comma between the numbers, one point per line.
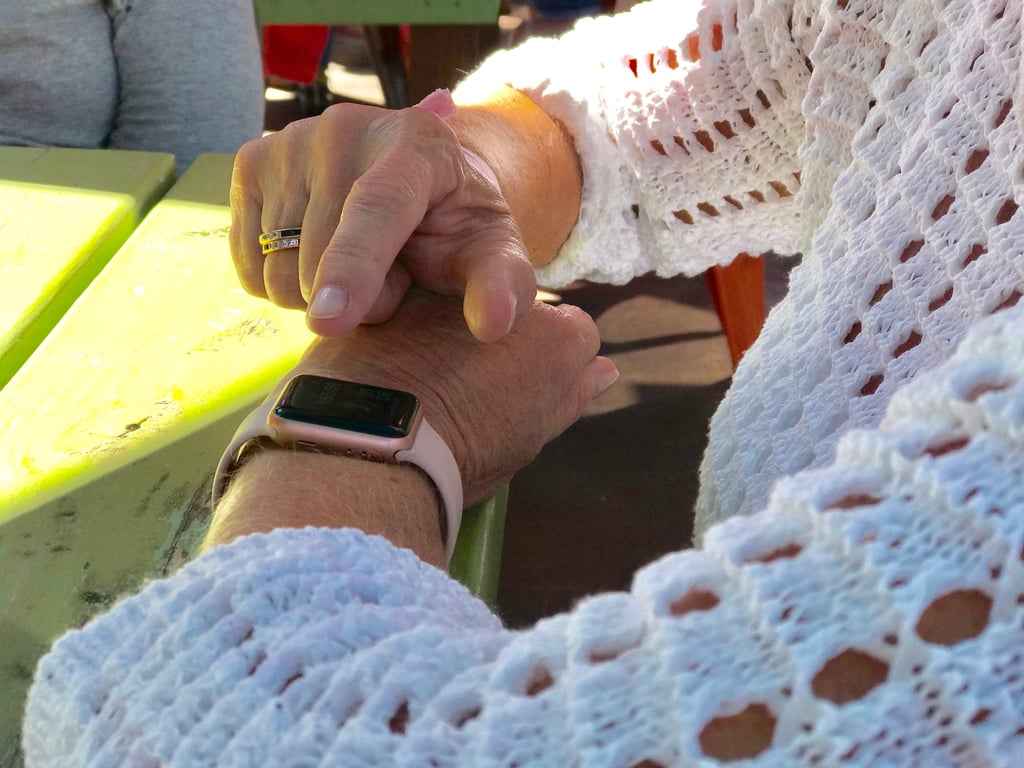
x=347, y=405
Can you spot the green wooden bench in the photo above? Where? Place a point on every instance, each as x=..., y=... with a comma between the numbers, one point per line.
x=62, y=218
x=113, y=427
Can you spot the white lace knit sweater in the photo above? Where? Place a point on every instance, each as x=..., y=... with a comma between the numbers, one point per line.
x=880, y=139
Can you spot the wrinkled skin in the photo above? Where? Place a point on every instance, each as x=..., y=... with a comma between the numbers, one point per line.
x=496, y=404
x=385, y=198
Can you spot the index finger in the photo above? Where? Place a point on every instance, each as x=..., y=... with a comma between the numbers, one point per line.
x=383, y=208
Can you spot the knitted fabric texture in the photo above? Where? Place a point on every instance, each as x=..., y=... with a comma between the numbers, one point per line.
x=323, y=647
x=879, y=139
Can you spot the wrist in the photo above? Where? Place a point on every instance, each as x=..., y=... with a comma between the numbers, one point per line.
x=284, y=488
x=533, y=159
x=345, y=419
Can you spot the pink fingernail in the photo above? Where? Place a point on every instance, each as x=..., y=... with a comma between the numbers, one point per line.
x=330, y=301
x=440, y=102
x=606, y=379
x=513, y=303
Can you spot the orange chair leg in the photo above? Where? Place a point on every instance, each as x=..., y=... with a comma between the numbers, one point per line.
x=737, y=291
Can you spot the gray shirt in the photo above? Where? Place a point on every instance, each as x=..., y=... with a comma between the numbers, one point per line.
x=178, y=76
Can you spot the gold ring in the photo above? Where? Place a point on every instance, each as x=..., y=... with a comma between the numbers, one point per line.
x=279, y=245
x=280, y=239
x=279, y=234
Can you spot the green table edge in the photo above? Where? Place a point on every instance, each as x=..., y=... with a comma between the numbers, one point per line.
x=21, y=349
x=417, y=12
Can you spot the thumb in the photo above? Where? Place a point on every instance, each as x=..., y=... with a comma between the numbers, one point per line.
x=499, y=291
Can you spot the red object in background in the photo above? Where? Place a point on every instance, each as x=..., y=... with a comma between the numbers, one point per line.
x=293, y=52
x=737, y=290
x=404, y=43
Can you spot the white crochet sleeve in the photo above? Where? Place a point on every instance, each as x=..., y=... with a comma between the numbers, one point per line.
x=323, y=648
x=687, y=120
x=268, y=651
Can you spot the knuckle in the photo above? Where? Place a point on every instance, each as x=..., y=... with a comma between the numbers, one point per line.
x=375, y=190
x=345, y=124
x=337, y=113
x=416, y=126
x=586, y=330
x=292, y=128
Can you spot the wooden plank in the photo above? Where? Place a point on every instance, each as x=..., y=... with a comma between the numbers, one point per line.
x=63, y=214
x=112, y=428
x=163, y=342
x=74, y=555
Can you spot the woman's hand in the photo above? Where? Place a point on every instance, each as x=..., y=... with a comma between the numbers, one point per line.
x=495, y=405
x=384, y=198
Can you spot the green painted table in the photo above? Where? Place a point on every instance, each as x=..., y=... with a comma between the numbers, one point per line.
x=113, y=427
x=63, y=214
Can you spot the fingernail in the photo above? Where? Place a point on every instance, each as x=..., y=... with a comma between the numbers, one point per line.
x=439, y=102
x=330, y=301
x=605, y=381
x=513, y=303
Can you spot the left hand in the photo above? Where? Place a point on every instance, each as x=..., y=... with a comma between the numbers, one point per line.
x=495, y=405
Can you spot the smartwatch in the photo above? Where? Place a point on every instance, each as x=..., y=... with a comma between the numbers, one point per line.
x=345, y=418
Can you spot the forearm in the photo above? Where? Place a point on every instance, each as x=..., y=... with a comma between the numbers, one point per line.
x=871, y=612
x=292, y=489
x=687, y=123
x=535, y=162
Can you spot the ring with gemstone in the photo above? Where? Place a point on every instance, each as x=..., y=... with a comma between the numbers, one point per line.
x=280, y=239
x=278, y=234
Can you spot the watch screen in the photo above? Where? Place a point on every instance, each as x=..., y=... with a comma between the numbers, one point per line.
x=347, y=405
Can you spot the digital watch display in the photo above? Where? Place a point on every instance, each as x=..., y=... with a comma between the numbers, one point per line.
x=347, y=405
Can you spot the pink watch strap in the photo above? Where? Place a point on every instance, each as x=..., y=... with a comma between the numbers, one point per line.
x=429, y=452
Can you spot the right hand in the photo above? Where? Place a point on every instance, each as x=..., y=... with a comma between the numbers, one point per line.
x=495, y=405
x=384, y=198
